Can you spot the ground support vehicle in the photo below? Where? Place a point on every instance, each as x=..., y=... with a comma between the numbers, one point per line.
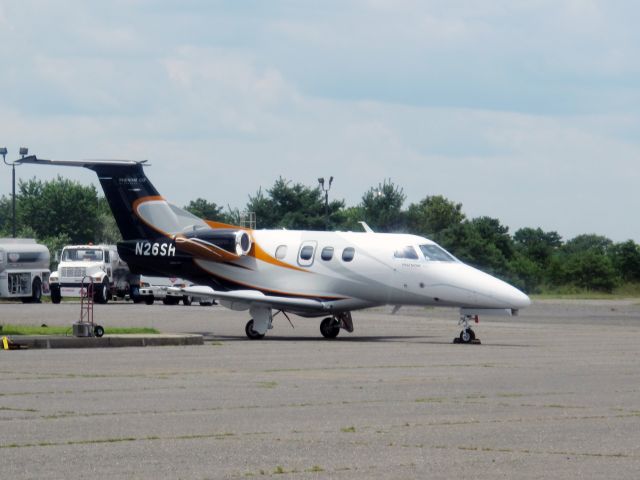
x=110, y=274
x=160, y=288
x=24, y=269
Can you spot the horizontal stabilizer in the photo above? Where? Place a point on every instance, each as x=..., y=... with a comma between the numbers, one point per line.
x=82, y=163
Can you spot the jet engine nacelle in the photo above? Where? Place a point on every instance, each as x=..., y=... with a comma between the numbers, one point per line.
x=237, y=242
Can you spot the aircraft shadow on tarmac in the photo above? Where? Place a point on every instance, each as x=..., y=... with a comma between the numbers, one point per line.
x=414, y=339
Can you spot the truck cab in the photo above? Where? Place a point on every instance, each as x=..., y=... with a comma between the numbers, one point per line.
x=81, y=265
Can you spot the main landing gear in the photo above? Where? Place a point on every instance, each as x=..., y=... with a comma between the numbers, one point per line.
x=330, y=327
x=467, y=335
x=251, y=333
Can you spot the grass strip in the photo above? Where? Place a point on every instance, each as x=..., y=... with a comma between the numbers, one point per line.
x=10, y=329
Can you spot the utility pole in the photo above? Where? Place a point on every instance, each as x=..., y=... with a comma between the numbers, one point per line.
x=3, y=151
x=326, y=199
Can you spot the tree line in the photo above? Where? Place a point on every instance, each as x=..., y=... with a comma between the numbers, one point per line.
x=60, y=212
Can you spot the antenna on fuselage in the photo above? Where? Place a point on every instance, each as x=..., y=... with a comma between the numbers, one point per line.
x=366, y=227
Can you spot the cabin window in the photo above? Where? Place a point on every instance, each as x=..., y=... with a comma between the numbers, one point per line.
x=106, y=256
x=348, y=254
x=327, y=253
x=406, y=252
x=306, y=252
x=281, y=252
x=436, y=253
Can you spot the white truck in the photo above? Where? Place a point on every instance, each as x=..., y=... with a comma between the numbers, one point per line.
x=24, y=269
x=158, y=288
x=99, y=264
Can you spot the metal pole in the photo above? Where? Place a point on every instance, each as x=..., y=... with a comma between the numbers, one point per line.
x=13, y=194
x=326, y=210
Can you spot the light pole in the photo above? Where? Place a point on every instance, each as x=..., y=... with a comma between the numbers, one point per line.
x=326, y=199
x=3, y=151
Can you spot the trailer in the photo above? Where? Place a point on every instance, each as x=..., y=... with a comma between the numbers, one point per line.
x=110, y=274
x=24, y=269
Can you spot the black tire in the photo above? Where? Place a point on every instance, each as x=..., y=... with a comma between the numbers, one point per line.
x=36, y=291
x=135, y=295
x=251, y=333
x=55, y=294
x=467, y=338
x=330, y=327
x=101, y=294
x=187, y=300
x=205, y=303
x=170, y=301
x=149, y=299
x=98, y=331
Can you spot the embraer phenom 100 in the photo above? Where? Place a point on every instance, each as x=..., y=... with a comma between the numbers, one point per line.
x=308, y=273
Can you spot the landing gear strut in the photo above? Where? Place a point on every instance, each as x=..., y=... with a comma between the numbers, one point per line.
x=467, y=335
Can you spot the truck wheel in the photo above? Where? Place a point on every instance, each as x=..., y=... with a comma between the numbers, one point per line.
x=55, y=294
x=149, y=300
x=102, y=292
x=135, y=295
x=36, y=292
x=186, y=300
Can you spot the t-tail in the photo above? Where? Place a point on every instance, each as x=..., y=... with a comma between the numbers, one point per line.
x=139, y=210
x=149, y=224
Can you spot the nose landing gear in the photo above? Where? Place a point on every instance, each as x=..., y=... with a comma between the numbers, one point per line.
x=467, y=335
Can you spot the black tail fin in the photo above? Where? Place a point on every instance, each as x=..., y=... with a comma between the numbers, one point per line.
x=124, y=186
x=138, y=208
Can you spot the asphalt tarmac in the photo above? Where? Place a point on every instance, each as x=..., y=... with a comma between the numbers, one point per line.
x=553, y=393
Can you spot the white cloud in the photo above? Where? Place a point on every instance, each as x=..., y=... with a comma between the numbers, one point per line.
x=527, y=112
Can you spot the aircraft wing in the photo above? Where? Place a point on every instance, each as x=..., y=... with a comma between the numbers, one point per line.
x=243, y=299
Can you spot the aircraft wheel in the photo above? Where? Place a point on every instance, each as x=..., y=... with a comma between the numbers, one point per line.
x=467, y=336
x=251, y=333
x=329, y=327
x=186, y=300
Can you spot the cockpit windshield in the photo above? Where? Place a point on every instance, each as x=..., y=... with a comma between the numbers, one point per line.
x=406, y=252
x=82, y=255
x=436, y=253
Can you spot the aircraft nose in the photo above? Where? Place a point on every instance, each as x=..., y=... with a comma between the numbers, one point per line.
x=492, y=290
x=518, y=299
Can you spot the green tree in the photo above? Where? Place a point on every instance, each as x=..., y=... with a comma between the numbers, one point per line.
x=204, y=209
x=381, y=207
x=625, y=258
x=482, y=242
x=587, y=242
x=5, y=215
x=107, y=231
x=293, y=206
x=590, y=270
x=433, y=214
x=57, y=207
x=536, y=244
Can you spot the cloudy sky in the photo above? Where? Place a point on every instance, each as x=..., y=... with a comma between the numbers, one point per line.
x=528, y=111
